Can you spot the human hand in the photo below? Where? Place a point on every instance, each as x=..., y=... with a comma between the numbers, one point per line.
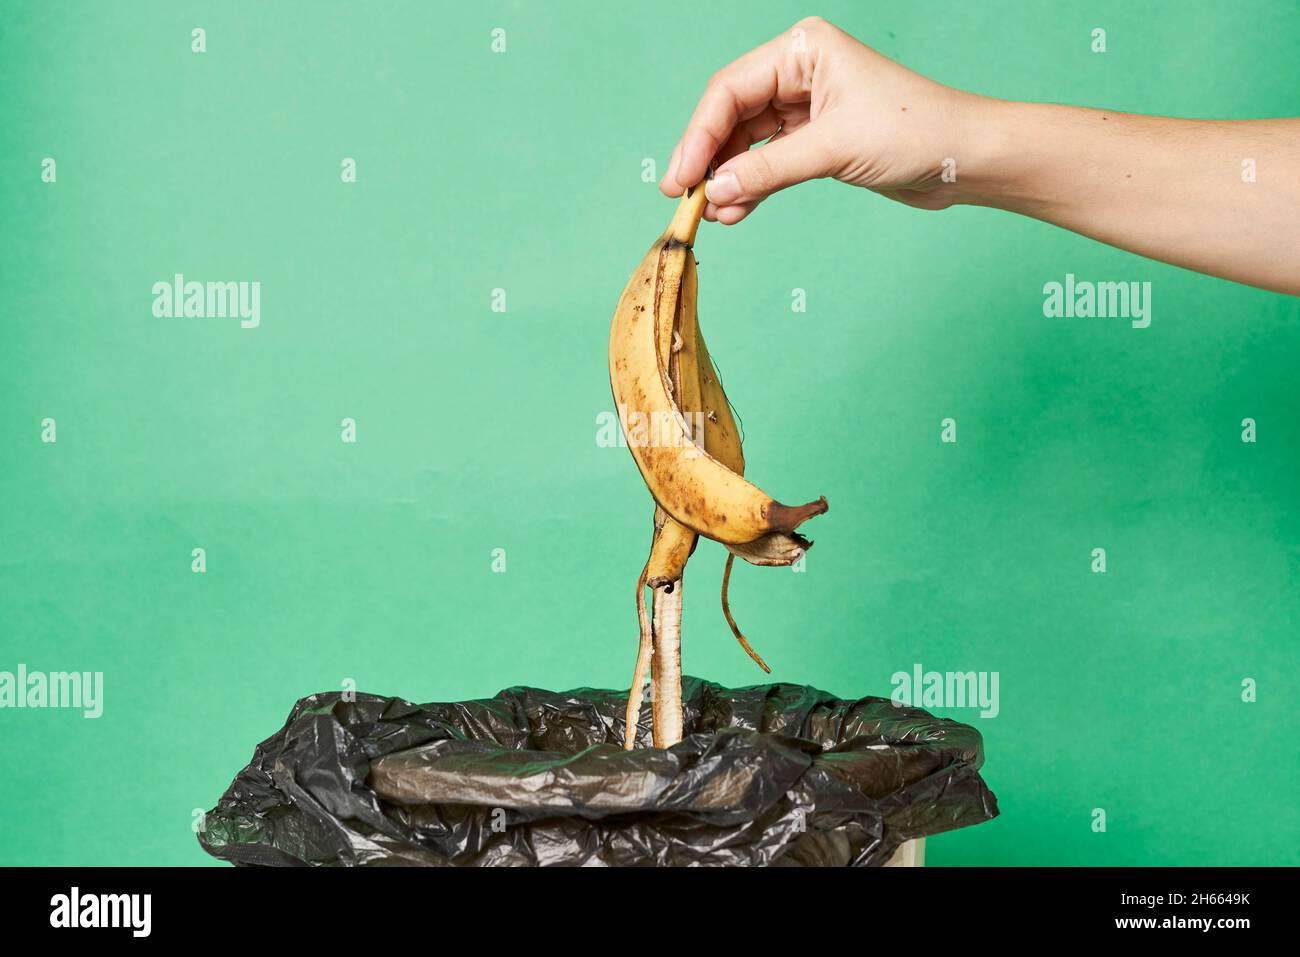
x=827, y=105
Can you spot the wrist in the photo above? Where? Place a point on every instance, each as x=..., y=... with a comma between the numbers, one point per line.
x=997, y=161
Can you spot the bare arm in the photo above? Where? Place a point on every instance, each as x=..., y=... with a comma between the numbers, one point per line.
x=1220, y=197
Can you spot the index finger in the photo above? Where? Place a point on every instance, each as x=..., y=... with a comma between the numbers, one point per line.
x=738, y=91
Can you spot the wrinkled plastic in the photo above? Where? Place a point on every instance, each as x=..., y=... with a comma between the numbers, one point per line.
x=773, y=774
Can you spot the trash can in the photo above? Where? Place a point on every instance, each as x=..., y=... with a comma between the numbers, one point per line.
x=775, y=774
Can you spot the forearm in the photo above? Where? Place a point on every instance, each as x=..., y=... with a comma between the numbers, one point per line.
x=1180, y=191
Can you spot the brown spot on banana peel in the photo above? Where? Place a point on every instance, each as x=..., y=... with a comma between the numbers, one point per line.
x=784, y=518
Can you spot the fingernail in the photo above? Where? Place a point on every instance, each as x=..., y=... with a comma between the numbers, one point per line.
x=722, y=189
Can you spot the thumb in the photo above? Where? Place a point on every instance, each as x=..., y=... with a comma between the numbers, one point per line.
x=784, y=160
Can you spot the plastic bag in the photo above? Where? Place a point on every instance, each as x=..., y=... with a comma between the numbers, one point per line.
x=772, y=774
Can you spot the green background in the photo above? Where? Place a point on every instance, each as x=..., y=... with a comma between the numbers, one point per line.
x=476, y=429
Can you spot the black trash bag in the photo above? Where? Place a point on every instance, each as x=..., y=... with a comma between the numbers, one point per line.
x=772, y=774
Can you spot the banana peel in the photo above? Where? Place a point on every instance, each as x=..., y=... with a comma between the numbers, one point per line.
x=660, y=367
x=686, y=481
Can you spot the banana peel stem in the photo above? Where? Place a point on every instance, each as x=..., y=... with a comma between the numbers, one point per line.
x=686, y=220
x=726, y=610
